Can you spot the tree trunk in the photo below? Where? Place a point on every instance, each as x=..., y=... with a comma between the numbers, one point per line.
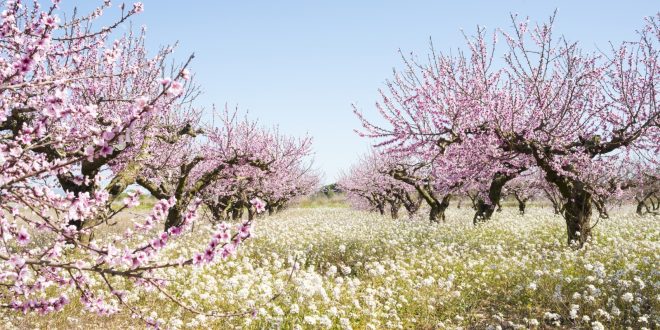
x=648, y=204
x=394, y=210
x=577, y=212
x=437, y=212
x=237, y=213
x=521, y=203
x=556, y=208
x=252, y=212
x=576, y=199
x=473, y=200
x=485, y=210
x=173, y=217
x=411, y=205
x=444, y=204
x=381, y=209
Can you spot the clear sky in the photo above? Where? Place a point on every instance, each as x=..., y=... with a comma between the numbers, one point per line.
x=301, y=64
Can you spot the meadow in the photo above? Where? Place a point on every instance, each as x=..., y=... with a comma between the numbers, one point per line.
x=323, y=267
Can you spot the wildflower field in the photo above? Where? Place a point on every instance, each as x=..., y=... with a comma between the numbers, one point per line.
x=336, y=268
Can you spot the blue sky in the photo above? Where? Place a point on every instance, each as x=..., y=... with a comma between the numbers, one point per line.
x=301, y=64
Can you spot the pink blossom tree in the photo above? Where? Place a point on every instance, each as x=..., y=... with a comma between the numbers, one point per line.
x=370, y=185
x=83, y=118
x=570, y=113
x=578, y=114
x=274, y=168
x=424, y=108
x=524, y=188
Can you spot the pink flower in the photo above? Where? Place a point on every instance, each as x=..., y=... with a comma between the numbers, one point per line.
x=214, y=243
x=52, y=112
x=245, y=230
x=156, y=244
x=221, y=235
x=138, y=7
x=89, y=152
x=50, y=21
x=198, y=259
x=175, y=89
x=141, y=102
x=132, y=200
x=185, y=74
x=23, y=237
x=175, y=231
x=106, y=150
x=209, y=254
x=259, y=205
x=108, y=135
x=228, y=250
x=17, y=261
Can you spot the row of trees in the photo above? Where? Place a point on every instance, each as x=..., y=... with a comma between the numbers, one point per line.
x=474, y=120
x=87, y=125
x=375, y=183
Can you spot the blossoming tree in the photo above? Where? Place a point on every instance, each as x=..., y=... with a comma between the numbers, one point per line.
x=370, y=185
x=269, y=166
x=524, y=188
x=82, y=119
x=570, y=113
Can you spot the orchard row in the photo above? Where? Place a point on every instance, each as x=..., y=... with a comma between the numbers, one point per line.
x=523, y=108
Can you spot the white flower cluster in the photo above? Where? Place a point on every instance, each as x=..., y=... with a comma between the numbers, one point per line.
x=343, y=269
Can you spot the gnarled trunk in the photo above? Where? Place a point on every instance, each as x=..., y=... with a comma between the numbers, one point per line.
x=577, y=206
x=473, y=200
x=522, y=203
x=434, y=214
x=237, y=213
x=521, y=207
x=640, y=207
x=649, y=204
x=217, y=211
x=412, y=205
x=437, y=212
x=577, y=212
x=485, y=210
x=557, y=209
x=381, y=208
x=394, y=209
x=173, y=217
